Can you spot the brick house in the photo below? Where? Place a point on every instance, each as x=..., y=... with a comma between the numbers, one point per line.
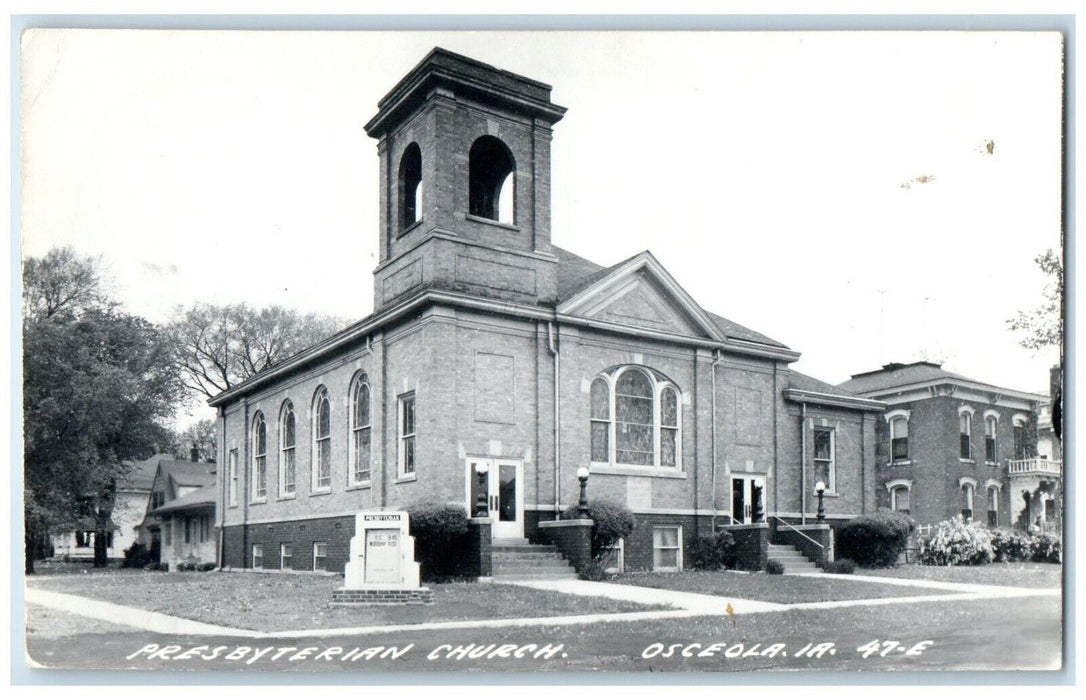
x=490, y=348
x=948, y=445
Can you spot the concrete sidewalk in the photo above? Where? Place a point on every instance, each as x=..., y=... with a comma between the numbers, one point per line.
x=987, y=590
x=693, y=602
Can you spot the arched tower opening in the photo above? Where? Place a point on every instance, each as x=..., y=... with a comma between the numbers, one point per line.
x=491, y=180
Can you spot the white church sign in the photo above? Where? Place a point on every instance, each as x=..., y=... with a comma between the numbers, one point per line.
x=382, y=567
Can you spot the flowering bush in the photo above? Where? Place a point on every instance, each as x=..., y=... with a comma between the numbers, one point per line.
x=1011, y=545
x=1046, y=548
x=955, y=542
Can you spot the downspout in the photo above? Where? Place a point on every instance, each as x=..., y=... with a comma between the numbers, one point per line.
x=553, y=348
x=802, y=464
x=384, y=422
x=221, y=468
x=863, y=463
x=243, y=476
x=716, y=362
x=697, y=520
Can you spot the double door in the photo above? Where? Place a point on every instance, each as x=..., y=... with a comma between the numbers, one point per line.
x=748, y=494
x=503, y=489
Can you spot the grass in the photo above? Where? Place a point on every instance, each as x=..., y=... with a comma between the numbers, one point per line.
x=775, y=589
x=278, y=602
x=1021, y=574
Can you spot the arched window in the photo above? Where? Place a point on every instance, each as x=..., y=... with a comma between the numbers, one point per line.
x=635, y=419
x=491, y=180
x=286, y=449
x=360, y=430
x=965, y=430
x=968, y=488
x=991, y=424
x=322, y=441
x=1022, y=449
x=259, y=467
x=899, y=438
x=993, y=505
x=900, y=497
x=410, y=185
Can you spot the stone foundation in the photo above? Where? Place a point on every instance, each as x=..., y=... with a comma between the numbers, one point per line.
x=383, y=596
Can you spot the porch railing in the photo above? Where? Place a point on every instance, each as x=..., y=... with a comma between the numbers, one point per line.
x=1035, y=465
x=790, y=526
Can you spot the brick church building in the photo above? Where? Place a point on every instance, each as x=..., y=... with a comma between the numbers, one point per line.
x=489, y=346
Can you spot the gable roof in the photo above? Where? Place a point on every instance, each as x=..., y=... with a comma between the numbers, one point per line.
x=576, y=274
x=181, y=472
x=140, y=476
x=200, y=498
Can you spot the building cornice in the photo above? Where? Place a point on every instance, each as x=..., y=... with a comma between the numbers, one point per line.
x=817, y=397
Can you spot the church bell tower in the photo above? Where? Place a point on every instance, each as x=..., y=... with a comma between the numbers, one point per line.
x=465, y=184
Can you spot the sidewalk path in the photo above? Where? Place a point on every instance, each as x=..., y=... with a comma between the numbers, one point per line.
x=694, y=602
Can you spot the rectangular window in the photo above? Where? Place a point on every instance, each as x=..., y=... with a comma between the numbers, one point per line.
x=286, y=556
x=899, y=439
x=167, y=532
x=258, y=556
x=965, y=430
x=1019, y=442
x=233, y=478
x=967, y=502
x=825, y=458
x=407, y=434
x=990, y=439
x=667, y=550
x=319, y=556
x=188, y=530
x=900, y=497
x=613, y=558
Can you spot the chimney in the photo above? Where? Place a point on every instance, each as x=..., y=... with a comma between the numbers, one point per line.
x=194, y=453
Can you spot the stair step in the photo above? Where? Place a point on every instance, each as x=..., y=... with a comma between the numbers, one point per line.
x=509, y=540
x=521, y=548
x=535, y=577
x=532, y=566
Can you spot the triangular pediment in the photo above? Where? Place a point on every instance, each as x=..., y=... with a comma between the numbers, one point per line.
x=641, y=294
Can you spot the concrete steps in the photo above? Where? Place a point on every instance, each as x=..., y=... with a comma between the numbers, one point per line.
x=519, y=560
x=792, y=559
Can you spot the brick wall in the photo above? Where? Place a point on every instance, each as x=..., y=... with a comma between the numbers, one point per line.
x=336, y=533
x=573, y=538
x=751, y=545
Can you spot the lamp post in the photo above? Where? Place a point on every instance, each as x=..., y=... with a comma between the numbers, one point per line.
x=582, y=505
x=820, y=488
x=480, y=502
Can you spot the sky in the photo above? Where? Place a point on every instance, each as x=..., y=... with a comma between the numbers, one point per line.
x=862, y=197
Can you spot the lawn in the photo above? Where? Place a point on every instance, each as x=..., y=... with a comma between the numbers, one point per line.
x=1022, y=574
x=775, y=589
x=278, y=602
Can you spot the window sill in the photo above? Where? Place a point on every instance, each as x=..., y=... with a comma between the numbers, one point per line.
x=964, y=460
x=636, y=470
x=258, y=501
x=321, y=492
x=409, y=228
x=491, y=222
x=287, y=497
x=360, y=485
x=990, y=464
x=900, y=463
x=405, y=478
x=232, y=505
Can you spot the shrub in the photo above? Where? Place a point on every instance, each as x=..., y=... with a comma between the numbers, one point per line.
x=874, y=540
x=714, y=551
x=136, y=556
x=955, y=542
x=206, y=566
x=774, y=567
x=1046, y=548
x=595, y=570
x=840, y=566
x=186, y=566
x=156, y=566
x=610, y=523
x=1011, y=545
x=438, y=529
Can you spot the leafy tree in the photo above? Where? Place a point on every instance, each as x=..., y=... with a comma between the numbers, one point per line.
x=1042, y=327
x=98, y=387
x=221, y=346
x=203, y=435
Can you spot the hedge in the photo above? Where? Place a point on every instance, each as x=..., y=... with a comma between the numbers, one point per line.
x=874, y=540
